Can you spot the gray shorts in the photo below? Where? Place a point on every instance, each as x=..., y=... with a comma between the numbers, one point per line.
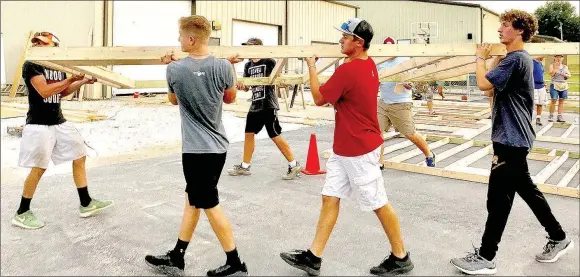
x=42, y=143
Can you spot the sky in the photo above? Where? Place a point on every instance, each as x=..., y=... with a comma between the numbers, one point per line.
x=529, y=6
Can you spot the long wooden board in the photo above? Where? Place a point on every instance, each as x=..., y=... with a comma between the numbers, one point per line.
x=90, y=56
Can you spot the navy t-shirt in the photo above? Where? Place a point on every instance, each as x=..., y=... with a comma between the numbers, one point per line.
x=538, y=75
x=513, y=100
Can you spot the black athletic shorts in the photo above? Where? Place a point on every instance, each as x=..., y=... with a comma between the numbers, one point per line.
x=255, y=121
x=202, y=173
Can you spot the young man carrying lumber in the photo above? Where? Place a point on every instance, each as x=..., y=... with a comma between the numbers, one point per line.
x=199, y=84
x=512, y=135
x=263, y=112
x=48, y=136
x=396, y=108
x=354, y=163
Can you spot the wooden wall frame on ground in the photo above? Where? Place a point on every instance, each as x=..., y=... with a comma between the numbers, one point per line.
x=570, y=128
x=428, y=62
x=405, y=156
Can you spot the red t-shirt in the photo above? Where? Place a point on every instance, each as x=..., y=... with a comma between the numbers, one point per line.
x=353, y=89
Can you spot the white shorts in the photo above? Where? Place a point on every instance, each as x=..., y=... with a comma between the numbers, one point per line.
x=540, y=96
x=42, y=143
x=361, y=174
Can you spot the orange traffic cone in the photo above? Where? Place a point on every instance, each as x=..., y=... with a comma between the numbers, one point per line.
x=312, y=161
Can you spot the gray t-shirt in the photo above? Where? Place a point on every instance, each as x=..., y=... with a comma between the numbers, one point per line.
x=199, y=85
x=513, y=100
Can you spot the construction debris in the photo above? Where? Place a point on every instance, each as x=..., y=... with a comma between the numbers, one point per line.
x=15, y=131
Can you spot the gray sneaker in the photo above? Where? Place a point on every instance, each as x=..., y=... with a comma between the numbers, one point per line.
x=560, y=118
x=551, y=118
x=473, y=264
x=292, y=172
x=554, y=250
x=238, y=170
x=27, y=220
x=94, y=207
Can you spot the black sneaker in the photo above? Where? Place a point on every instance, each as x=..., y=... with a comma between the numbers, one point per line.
x=393, y=265
x=539, y=121
x=229, y=270
x=169, y=264
x=301, y=260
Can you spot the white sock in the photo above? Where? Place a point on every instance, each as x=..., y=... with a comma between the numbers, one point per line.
x=292, y=163
x=430, y=155
x=245, y=165
x=538, y=116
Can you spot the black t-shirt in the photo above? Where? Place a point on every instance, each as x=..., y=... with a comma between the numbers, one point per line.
x=42, y=111
x=263, y=97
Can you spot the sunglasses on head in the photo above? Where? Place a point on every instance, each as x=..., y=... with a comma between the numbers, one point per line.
x=46, y=34
x=344, y=26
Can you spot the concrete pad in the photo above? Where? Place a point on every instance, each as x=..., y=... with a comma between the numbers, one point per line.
x=440, y=219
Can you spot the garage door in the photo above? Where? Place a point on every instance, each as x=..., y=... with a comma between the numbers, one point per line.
x=242, y=31
x=147, y=23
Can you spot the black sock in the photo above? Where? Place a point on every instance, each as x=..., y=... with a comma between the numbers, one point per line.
x=312, y=256
x=403, y=259
x=24, y=205
x=84, y=196
x=233, y=258
x=180, y=247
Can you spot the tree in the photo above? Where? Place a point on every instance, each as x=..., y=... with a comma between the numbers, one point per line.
x=551, y=14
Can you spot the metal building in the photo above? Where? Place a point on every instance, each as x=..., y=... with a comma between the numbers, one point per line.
x=291, y=22
x=430, y=21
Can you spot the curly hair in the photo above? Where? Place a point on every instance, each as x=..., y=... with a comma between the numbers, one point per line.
x=523, y=21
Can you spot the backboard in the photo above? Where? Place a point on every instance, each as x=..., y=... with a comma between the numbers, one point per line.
x=423, y=32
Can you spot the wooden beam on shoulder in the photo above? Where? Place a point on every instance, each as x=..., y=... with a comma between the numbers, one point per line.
x=104, y=76
x=90, y=56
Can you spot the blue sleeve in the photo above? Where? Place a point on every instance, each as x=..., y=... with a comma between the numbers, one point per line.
x=500, y=75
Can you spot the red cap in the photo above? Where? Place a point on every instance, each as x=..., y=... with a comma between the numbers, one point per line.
x=389, y=40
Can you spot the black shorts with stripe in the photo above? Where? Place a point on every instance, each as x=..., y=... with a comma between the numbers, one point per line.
x=255, y=121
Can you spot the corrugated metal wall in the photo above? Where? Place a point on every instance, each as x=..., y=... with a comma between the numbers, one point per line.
x=69, y=20
x=312, y=22
x=308, y=20
x=393, y=18
x=269, y=12
x=490, y=25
